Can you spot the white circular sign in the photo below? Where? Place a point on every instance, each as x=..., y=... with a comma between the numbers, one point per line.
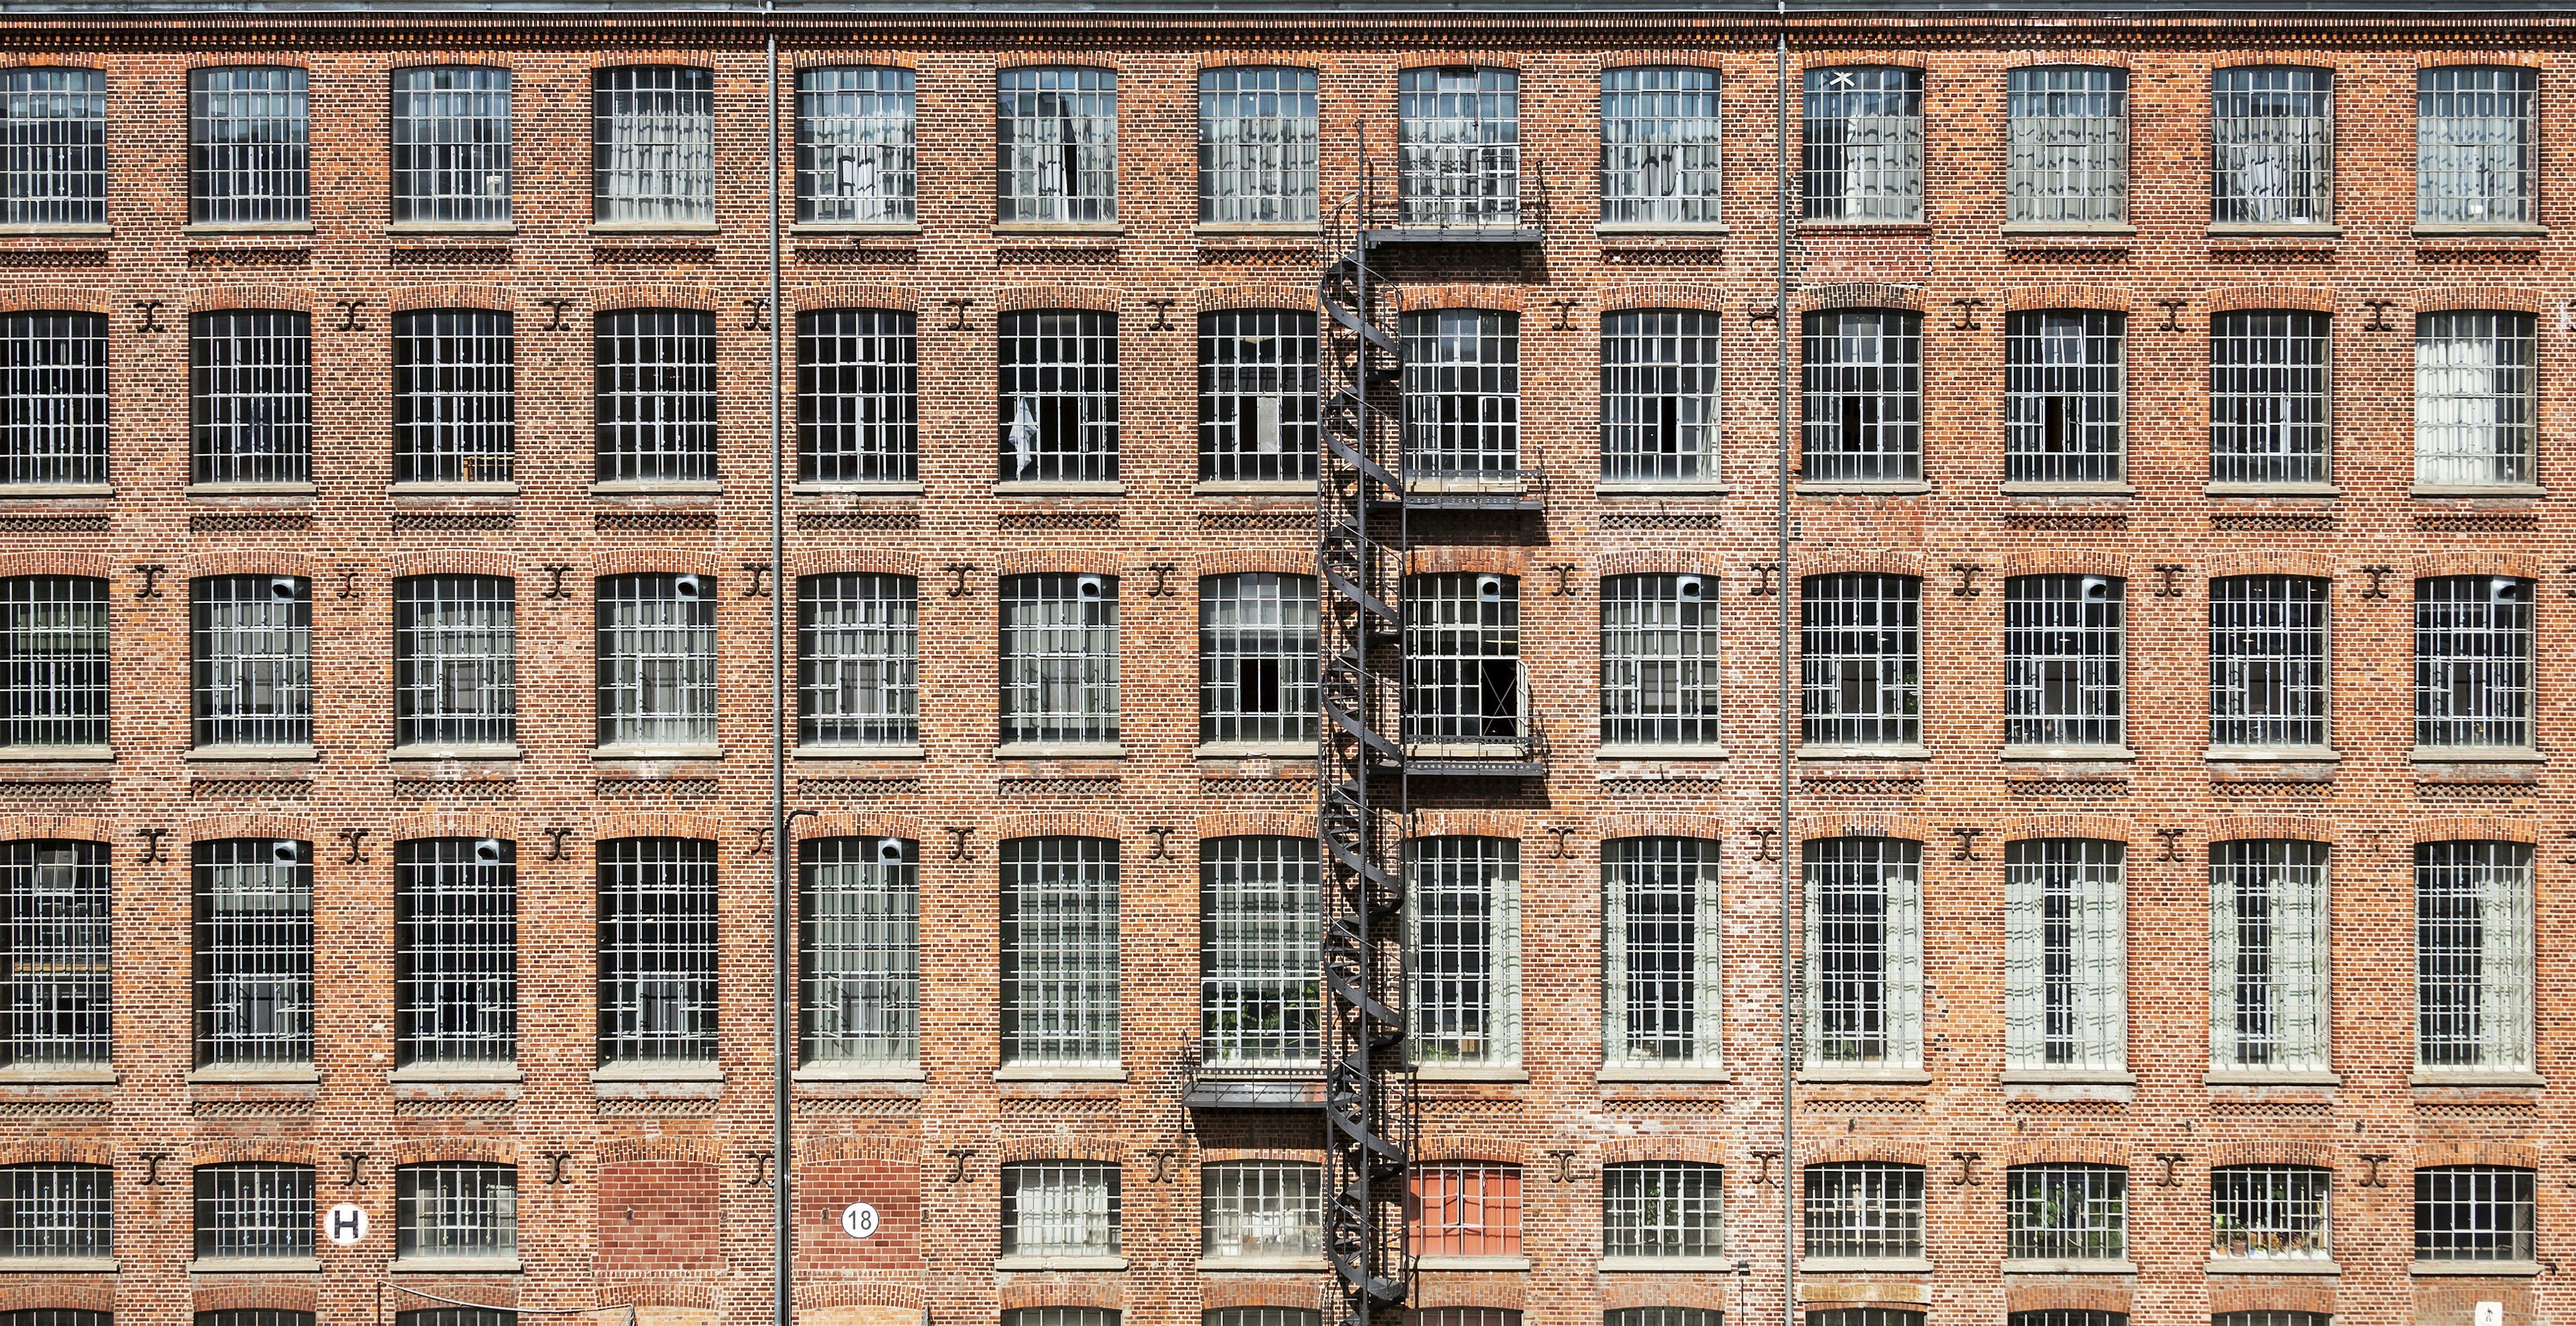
x=345, y=1224
x=858, y=1220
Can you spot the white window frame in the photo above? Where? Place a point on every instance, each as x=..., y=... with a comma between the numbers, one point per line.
x=2271, y=397
x=1862, y=150
x=1463, y=951
x=456, y=951
x=2476, y=145
x=1660, y=664
x=2270, y=958
x=1465, y=1208
x=1864, y=954
x=56, y=1212
x=254, y=953
x=53, y=135
x=860, y=978
x=249, y=147
x=2067, y=141
x=1059, y=660
x=1060, y=1208
x=451, y=146
x=2066, y=397
x=253, y=662
x=653, y=147
x=1462, y=396
x=1258, y=402
x=2474, y=983
x=855, y=163
x=1662, y=147
x=1662, y=898
x=656, y=662
x=2066, y=659
x=2066, y=1213
x=455, y=396
x=1861, y=661
x=2477, y=399
x=1862, y=1211
x=1661, y=405
x=1056, y=140
x=2066, y=966
x=1458, y=147
x=2271, y=137
x=858, y=662
x=54, y=665
x=253, y=1211
x=456, y=663
x=1261, y=1210
x=1259, y=138
x=2474, y=664
x=2491, y=1215
x=1261, y=908
x=1861, y=389
x=1059, y=396
x=53, y=397
x=2270, y=664
x=250, y=396
x=1664, y=1210
x=858, y=397
x=1060, y=959
x=56, y=972
x=1467, y=687
x=657, y=953
x=2271, y=1213
x=456, y=1211
x=653, y=396
x=1260, y=638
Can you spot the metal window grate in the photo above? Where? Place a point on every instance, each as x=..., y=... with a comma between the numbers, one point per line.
x=654, y=394
x=2066, y=397
x=1865, y=1317
x=62, y=1317
x=1462, y=657
x=1060, y=658
x=657, y=950
x=2068, y=1317
x=2271, y=1317
x=1864, y=944
x=1461, y=1316
x=455, y=396
x=1664, y=1208
x=53, y=147
x=455, y=661
x=1458, y=144
x=56, y=1211
x=1059, y=1208
x=653, y=146
x=1660, y=147
x=2473, y=662
x=1862, y=644
x=2473, y=956
x=2473, y=1213
x=2066, y=973
x=2269, y=406
x=53, y=398
x=456, y=1209
x=858, y=670
x=250, y=397
x=1659, y=661
x=1864, y=144
x=1864, y=1210
x=2269, y=1212
x=1260, y=917
x=456, y=1316
x=1258, y=643
x=854, y=147
x=1462, y=394
x=451, y=145
x=2068, y=144
x=1662, y=1001
x=1257, y=1316
x=657, y=660
x=1261, y=1208
x=2476, y=398
x=1659, y=396
x=254, y=1212
x=2271, y=134
x=1465, y=951
x=1060, y=1316
x=254, y=1317
x=53, y=662
x=1060, y=969
x=1861, y=381
x=1469, y=1209
x=2065, y=661
x=1257, y=396
x=858, y=396
x=2474, y=134
x=1059, y=382
x=2268, y=965
x=862, y=950
x=56, y=970
x=1056, y=130
x=456, y=950
x=2066, y=1212
x=1663, y=1316
x=254, y=961
x=1257, y=147
x=249, y=158
x=2268, y=667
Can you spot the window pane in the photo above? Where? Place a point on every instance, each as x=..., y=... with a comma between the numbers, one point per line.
x=1059, y=397
x=455, y=662
x=1258, y=645
x=2066, y=973
x=654, y=395
x=1458, y=141
x=2065, y=661
x=1260, y=923
x=1261, y=1208
x=1060, y=967
x=854, y=147
x=2474, y=154
x=653, y=146
x=1257, y=396
x=451, y=145
x=58, y=962
x=1464, y=1210
x=2473, y=942
x=1659, y=147
x=1059, y=1208
x=858, y=672
x=1864, y=144
x=657, y=660
x=456, y=950
x=1257, y=146
x=2271, y=1212
x=1862, y=379
x=1864, y=946
x=247, y=147
x=53, y=147
x=857, y=396
x=1463, y=677
x=251, y=397
x=2066, y=1213
x=1862, y=650
x=2066, y=398
x=254, y=1211
x=254, y=959
x=2267, y=663
x=862, y=950
x=2268, y=402
x=1462, y=395
x=2473, y=660
x=2475, y=398
x=253, y=661
x=1661, y=1209
x=657, y=950
x=2268, y=956
x=1662, y=1002
x=2272, y=146
x=53, y=663
x=1465, y=954
x=455, y=397
x=2473, y=1213
x=1057, y=134
x=53, y=397
x=1659, y=396
x=1659, y=661
x=2068, y=145
x=456, y=1209
x=56, y=1211
x=1060, y=659
x=1864, y=1211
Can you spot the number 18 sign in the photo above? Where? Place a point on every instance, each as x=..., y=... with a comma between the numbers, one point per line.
x=858, y=1220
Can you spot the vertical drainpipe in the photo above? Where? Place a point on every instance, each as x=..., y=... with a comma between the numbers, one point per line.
x=782, y=1140
x=1789, y=884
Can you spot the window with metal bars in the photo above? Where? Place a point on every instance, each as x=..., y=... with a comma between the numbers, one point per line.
x=2065, y=661
x=1662, y=1208
x=1864, y=1211
x=1060, y=659
x=2066, y=968
x=53, y=147
x=451, y=146
x=2271, y=138
x=1463, y=678
x=1659, y=661
x=1464, y=933
x=1059, y=373
x=1257, y=396
x=1462, y=395
x=254, y=1212
x=1060, y=976
x=1663, y=1316
x=250, y=396
x=858, y=401
x=457, y=1316
x=63, y=1317
x=56, y=970
x=2268, y=665
x=1861, y=645
x=2270, y=1212
x=657, y=951
x=2066, y=1213
x=2271, y=1317
x=2476, y=134
x=2268, y=956
x=53, y=664
x=2473, y=957
x=1864, y=945
x=1258, y=136
x=1659, y=396
x=1060, y=1316
x=456, y=950
x=1662, y=1003
x=2068, y=145
x=654, y=395
x=854, y=147
x=56, y=1211
x=1059, y=1208
x=657, y=661
x=249, y=154
x=2473, y=663
x=53, y=397
x=653, y=153
x=254, y=959
x=253, y=660
x=1865, y=1317
x=2067, y=1317
x=1261, y=1208
x=455, y=662
x=1660, y=147
x=861, y=953
x=1258, y=643
x=1260, y=917
x=1458, y=147
x=1254, y=1316
x=1463, y=1209
x=1861, y=381
x=455, y=396
x=857, y=664
x=2269, y=403
x=1863, y=155
x=1462, y=1316
x=2476, y=398
x=1056, y=132
x=2066, y=397
x=2473, y=1213
x=456, y=1210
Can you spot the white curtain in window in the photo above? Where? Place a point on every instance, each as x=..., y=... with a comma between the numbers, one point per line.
x=2268, y=966
x=2458, y=406
x=2065, y=956
x=1864, y=953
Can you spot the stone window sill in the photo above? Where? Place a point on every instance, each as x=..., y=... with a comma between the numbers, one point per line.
x=692, y=1073
x=1256, y=750
x=2478, y=230
x=2271, y=1266
x=910, y=750
x=100, y=231
x=292, y=1075
x=454, y=1074
x=252, y=755
x=197, y=490
x=1305, y=228
x=2110, y=1077
x=2083, y=488
x=2270, y=490
x=653, y=228
x=1662, y=228
x=1865, y=488
x=1253, y=488
x=2066, y=754
x=2478, y=490
x=1058, y=488
x=1112, y=1262
x=1018, y=229
x=453, y=488
x=453, y=1266
x=1471, y=1073
x=2495, y=1270
x=1864, y=223
x=2473, y=1078
x=2068, y=229
x=2271, y=755
x=453, y=228
x=255, y=1266
x=1661, y=488
x=1066, y=750
x=1474, y=1263
x=2072, y=1266
x=1287, y=1265
x=51, y=491
x=453, y=753
x=855, y=228
x=889, y=488
x=1915, y=752
x=247, y=228
x=2473, y=755
x=1662, y=1073
x=57, y=754
x=1864, y=1074
x=68, y=1075
x=1660, y=753
x=2291, y=229
x=1864, y=1266
x=657, y=753
x=657, y=488
x=1673, y=1265
x=859, y=1073
x=58, y=1265
x=2268, y=1077
x=1060, y=1073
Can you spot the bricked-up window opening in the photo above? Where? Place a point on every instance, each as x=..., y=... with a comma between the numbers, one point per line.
x=254, y=959
x=250, y=397
x=1056, y=132
x=1261, y=1208
x=654, y=395
x=2268, y=669
x=861, y=968
x=1257, y=1316
x=1864, y=946
x=2068, y=1317
x=1258, y=641
x=2271, y=1212
x=854, y=147
x=56, y=1211
x=1458, y=143
x=2066, y=967
x=1659, y=396
x=1864, y=145
x=53, y=398
x=858, y=396
x=1663, y=1316
x=2473, y=1213
x=1060, y=659
x=2473, y=662
x=249, y=150
x=2066, y=1213
x=2475, y=130
x=53, y=663
x=455, y=662
x=653, y=154
x=1059, y=397
x=2268, y=964
x=56, y=968
x=1864, y=1211
x=1463, y=679
x=1662, y=1002
x=1862, y=384
x=1662, y=1208
x=2068, y=143
x=1060, y=952
x=2271, y=1317
x=2269, y=406
x=1862, y=644
x=1464, y=954
x=255, y=1212
x=2476, y=398
x=456, y=1210
x=2066, y=397
x=1468, y=1209
x=1257, y=147
x=1260, y=924
x=451, y=146
x=1659, y=661
x=1059, y=1208
x=63, y=1317
x=53, y=147
x=456, y=950
x=1660, y=147
x=857, y=663
x=657, y=951
x=2473, y=962
x=453, y=1316
x=657, y=661
x=2271, y=146
x=1462, y=394
x=2065, y=661
x=1257, y=375
x=455, y=396
x=253, y=660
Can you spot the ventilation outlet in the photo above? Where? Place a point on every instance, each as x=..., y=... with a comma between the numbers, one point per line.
x=282, y=589
x=487, y=851
x=2505, y=589
x=688, y=587
x=1489, y=588
x=2096, y=588
x=1690, y=589
x=890, y=851
x=286, y=852
x=1089, y=588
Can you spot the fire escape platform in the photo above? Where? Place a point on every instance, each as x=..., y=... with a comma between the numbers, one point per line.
x=1219, y=1092
x=1452, y=235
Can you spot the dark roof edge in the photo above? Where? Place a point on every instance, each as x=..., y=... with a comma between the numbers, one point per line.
x=1221, y=10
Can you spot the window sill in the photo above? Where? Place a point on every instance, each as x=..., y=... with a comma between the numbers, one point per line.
x=445, y=488
x=2101, y=1077
x=2269, y=1077
x=1863, y=223
x=2270, y=490
x=1865, y=488
x=614, y=753
x=1916, y=752
x=1058, y=488
x=446, y=1074
x=1007, y=1262
x=453, y=753
x=2478, y=490
x=57, y=754
x=910, y=750
x=292, y=1075
x=692, y=1073
x=1610, y=752
x=86, y=231
x=1661, y=488
x=2271, y=755
x=657, y=488
x=855, y=228
x=17, y=492
x=1471, y=1073
x=2271, y=1266
x=2478, y=229
x=2069, y=1266
x=195, y=490
x=2473, y=1077
x=1276, y=1265
x=1473, y=1263
x=1253, y=488
x=255, y=1266
x=2290, y=229
x=453, y=228
x=251, y=755
x=1060, y=1073
x=2072, y=229
x=1672, y=1265
x=42, y=1075
x=453, y=1266
x=1015, y=229
x=2473, y=755
x=1662, y=1073
x=58, y=1266
x=2493, y=1270
x=1060, y=750
x=859, y=1073
x=2066, y=754
x=1623, y=228
x=1862, y=1073
x=247, y=228
x=653, y=227
x=891, y=488
x=1865, y=1265
x=2074, y=488
x=1238, y=750
x=1300, y=228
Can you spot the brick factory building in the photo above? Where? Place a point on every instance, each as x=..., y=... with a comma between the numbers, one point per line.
x=1337, y=551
